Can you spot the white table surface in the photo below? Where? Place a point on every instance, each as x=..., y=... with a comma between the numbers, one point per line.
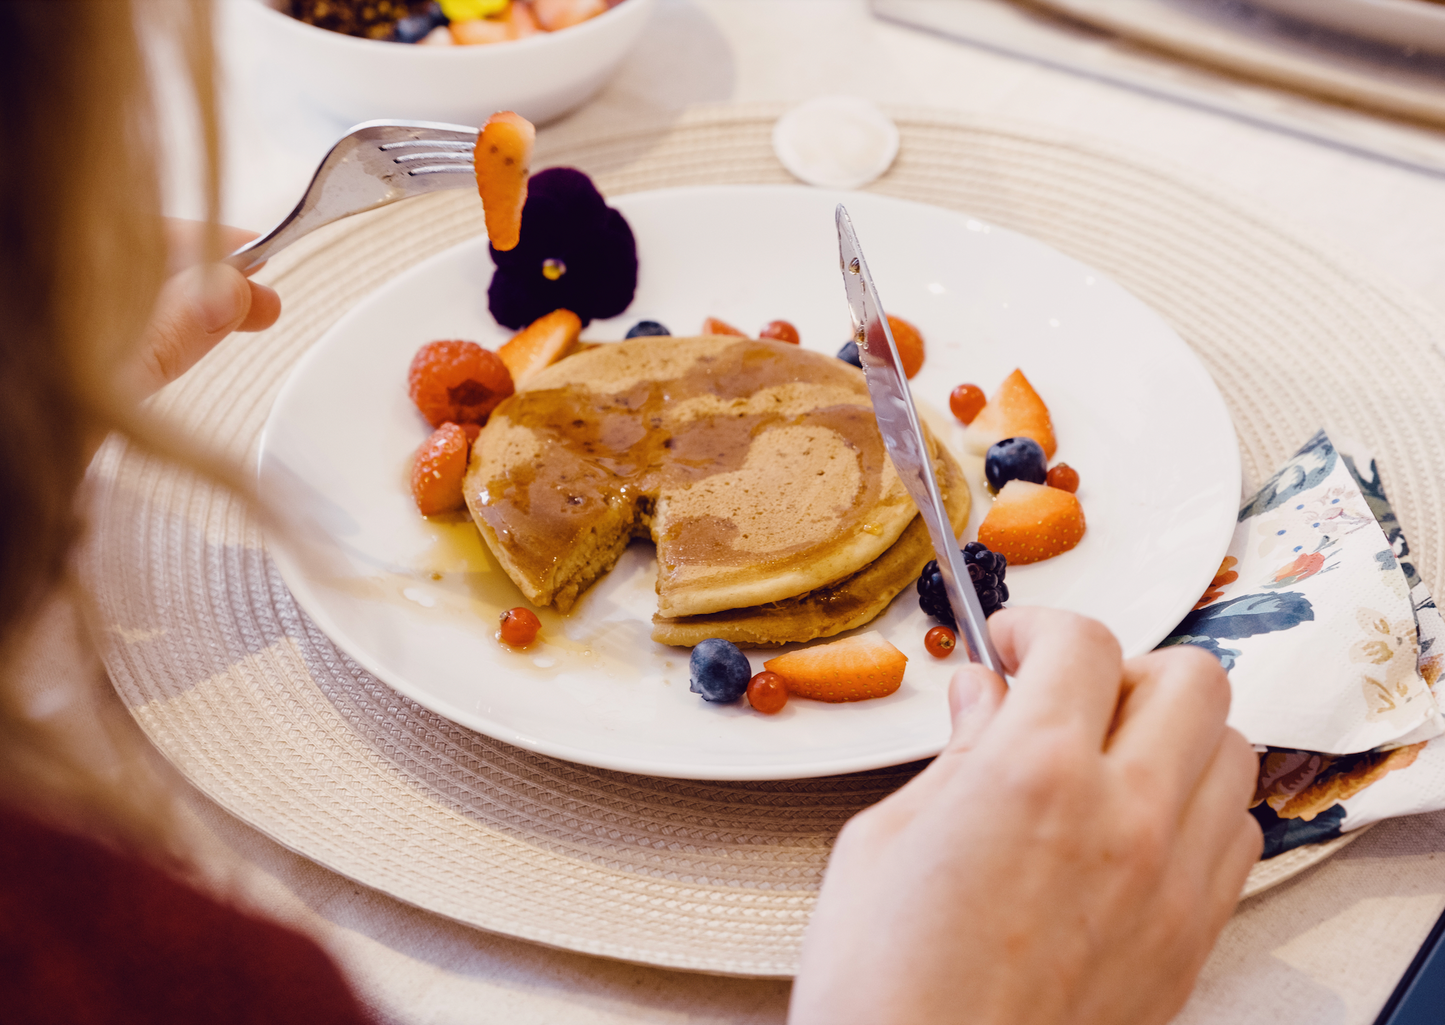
x=1325, y=947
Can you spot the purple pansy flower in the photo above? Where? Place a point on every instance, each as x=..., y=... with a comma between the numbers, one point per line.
x=576, y=253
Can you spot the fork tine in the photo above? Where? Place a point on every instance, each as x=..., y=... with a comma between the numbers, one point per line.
x=436, y=163
x=408, y=158
x=457, y=144
x=442, y=156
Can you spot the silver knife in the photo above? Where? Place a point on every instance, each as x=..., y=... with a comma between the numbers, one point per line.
x=902, y=435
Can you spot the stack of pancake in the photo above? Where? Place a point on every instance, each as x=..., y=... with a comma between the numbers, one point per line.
x=755, y=467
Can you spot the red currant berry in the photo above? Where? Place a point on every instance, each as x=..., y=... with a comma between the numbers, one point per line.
x=519, y=627
x=909, y=343
x=768, y=693
x=967, y=401
x=1064, y=477
x=940, y=642
x=780, y=331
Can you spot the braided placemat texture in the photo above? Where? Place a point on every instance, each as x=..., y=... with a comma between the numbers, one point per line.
x=265, y=715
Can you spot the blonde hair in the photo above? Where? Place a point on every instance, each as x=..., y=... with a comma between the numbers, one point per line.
x=82, y=261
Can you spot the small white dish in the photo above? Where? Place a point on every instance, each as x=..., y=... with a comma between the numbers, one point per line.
x=836, y=142
x=353, y=80
x=415, y=602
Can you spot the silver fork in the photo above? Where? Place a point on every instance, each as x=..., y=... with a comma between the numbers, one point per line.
x=375, y=164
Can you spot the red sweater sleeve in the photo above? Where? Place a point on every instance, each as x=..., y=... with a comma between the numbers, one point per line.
x=90, y=936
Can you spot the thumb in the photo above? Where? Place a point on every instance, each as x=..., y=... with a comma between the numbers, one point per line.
x=974, y=697
x=195, y=309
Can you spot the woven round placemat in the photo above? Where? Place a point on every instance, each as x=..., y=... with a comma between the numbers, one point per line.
x=265, y=715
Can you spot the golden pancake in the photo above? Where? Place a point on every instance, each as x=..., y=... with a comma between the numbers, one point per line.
x=756, y=468
x=841, y=606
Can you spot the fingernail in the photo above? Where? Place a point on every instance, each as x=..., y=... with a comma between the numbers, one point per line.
x=214, y=299
x=963, y=692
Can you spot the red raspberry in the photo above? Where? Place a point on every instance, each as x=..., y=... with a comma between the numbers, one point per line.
x=457, y=382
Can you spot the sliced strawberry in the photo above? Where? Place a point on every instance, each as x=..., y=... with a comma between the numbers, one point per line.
x=714, y=326
x=437, y=471
x=540, y=344
x=1031, y=522
x=521, y=22
x=556, y=14
x=502, y=160
x=1014, y=411
x=853, y=669
x=479, y=32
x=909, y=343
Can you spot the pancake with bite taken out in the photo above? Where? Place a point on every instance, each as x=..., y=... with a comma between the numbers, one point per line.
x=830, y=610
x=755, y=467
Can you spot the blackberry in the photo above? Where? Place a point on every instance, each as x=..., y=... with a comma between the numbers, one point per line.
x=985, y=568
x=369, y=19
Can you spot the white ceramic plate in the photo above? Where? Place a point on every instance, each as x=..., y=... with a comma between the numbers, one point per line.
x=416, y=602
x=1414, y=24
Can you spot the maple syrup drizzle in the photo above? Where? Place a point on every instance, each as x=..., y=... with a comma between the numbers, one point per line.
x=605, y=457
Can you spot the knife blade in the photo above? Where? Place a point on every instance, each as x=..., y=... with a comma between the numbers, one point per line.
x=903, y=437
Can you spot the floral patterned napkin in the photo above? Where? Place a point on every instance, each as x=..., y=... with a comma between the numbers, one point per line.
x=1325, y=512
x=1311, y=613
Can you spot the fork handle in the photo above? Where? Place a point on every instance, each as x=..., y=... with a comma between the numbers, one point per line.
x=324, y=202
x=259, y=250
x=305, y=218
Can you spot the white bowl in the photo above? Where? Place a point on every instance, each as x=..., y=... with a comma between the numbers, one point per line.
x=353, y=79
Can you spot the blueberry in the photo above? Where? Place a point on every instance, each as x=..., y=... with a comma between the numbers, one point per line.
x=644, y=328
x=849, y=354
x=416, y=27
x=719, y=671
x=1015, y=459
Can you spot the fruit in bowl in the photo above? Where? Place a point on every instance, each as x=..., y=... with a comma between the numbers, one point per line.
x=351, y=64
x=446, y=22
